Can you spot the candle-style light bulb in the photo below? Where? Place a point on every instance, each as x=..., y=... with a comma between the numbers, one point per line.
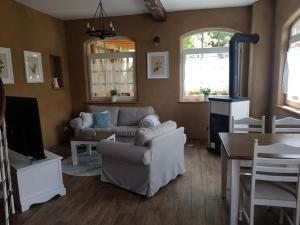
x=111, y=26
x=88, y=26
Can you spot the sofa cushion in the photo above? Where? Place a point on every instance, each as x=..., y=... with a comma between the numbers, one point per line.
x=149, y=121
x=88, y=130
x=112, y=109
x=87, y=119
x=131, y=116
x=102, y=119
x=144, y=135
x=125, y=131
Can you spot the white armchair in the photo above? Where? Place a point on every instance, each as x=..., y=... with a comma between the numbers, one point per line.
x=144, y=169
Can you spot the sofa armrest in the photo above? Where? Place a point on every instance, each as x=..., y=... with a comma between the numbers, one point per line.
x=76, y=124
x=124, y=152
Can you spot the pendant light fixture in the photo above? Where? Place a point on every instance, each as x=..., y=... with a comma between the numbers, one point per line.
x=96, y=27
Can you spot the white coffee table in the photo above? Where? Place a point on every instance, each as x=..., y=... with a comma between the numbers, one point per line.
x=90, y=139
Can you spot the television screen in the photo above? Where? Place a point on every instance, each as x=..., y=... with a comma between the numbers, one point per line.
x=24, y=133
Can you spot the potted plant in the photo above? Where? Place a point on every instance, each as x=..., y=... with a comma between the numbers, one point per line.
x=205, y=92
x=113, y=94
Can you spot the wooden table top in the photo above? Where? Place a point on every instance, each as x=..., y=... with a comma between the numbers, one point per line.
x=241, y=145
x=92, y=136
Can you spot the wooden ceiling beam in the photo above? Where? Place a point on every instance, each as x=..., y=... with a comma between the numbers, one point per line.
x=156, y=9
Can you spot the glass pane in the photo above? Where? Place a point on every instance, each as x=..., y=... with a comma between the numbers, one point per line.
x=210, y=39
x=110, y=74
x=111, y=45
x=206, y=71
x=294, y=73
x=296, y=28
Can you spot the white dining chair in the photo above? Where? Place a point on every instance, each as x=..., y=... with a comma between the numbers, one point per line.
x=247, y=125
x=274, y=181
x=285, y=125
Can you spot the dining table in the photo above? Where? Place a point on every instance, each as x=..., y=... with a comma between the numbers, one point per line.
x=236, y=147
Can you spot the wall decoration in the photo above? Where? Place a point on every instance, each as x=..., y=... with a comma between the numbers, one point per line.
x=33, y=66
x=158, y=65
x=6, y=69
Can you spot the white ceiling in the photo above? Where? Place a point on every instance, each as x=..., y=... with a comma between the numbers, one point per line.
x=79, y=9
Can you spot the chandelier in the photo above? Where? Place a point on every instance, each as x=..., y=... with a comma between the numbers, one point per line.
x=96, y=27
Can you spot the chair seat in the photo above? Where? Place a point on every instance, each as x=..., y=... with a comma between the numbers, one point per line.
x=270, y=190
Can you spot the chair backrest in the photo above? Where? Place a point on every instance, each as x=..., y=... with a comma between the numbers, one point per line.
x=248, y=125
x=285, y=125
x=276, y=163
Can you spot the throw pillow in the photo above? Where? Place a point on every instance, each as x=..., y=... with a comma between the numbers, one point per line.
x=87, y=119
x=149, y=121
x=102, y=119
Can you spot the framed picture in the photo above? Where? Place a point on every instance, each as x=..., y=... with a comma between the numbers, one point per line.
x=6, y=69
x=158, y=65
x=33, y=67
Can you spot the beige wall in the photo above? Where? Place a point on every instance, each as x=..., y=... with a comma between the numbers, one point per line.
x=25, y=29
x=286, y=13
x=163, y=95
x=260, y=69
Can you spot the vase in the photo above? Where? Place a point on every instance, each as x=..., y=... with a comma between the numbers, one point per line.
x=114, y=98
x=206, y=98
x=55, y=83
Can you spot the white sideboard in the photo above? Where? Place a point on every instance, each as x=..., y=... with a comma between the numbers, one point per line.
x=36, y=182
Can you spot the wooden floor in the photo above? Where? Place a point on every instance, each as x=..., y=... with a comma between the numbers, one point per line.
x=192, y=199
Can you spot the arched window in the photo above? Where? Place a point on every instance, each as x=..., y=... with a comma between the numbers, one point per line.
x=204, y=64
x=291, y=79
x=111, y=65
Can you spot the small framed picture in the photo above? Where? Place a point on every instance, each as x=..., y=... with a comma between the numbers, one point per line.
x=158, y=65
x=33, y=67
x=6, y=68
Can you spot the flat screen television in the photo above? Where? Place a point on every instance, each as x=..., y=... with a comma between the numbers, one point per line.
x=23, y=126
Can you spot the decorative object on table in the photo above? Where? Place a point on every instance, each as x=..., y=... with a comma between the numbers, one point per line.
x=33, y=66
x=156, y=41
x=5, y=175
x=6, y=69
x=96, y=27
x=114, y=94
x=55, y=83
x=158, y=65
x=205, y=92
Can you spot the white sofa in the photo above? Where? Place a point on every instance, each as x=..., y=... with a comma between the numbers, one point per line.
x=154, y=159
x=125, y=120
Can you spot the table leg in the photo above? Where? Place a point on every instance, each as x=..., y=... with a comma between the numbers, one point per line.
x=234, y=191
x=74, y=153
x=89, y=146
x=223, y=172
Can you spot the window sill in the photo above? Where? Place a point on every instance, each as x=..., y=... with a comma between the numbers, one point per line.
x=289, y=109
x=192, y=101
x=110, y=103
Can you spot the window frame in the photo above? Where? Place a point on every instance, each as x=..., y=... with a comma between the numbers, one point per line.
x=184, y=52
x=115, y=55
x=292, y=39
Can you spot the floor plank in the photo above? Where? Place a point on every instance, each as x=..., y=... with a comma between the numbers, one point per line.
x=191, y=199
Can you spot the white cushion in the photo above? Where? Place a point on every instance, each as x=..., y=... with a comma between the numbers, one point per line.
x=144, y=135
x=149, y=121
x=87, y=119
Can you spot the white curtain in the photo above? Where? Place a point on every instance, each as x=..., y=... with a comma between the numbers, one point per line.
x=285, y=77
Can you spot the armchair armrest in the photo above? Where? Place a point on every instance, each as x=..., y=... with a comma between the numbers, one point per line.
x=124, y=152
x=76, y=124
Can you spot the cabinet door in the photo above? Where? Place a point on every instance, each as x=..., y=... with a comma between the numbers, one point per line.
x=218, y=123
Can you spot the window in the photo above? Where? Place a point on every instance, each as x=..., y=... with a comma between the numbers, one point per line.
x=292, y=68
x=112, y=67
x=205, y=64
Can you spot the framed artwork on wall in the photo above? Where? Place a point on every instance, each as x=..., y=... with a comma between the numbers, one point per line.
x=33, y=67
x=158, y=65
x=6, y=68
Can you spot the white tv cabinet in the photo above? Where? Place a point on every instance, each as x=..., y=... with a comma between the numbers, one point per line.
x=36, y=182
